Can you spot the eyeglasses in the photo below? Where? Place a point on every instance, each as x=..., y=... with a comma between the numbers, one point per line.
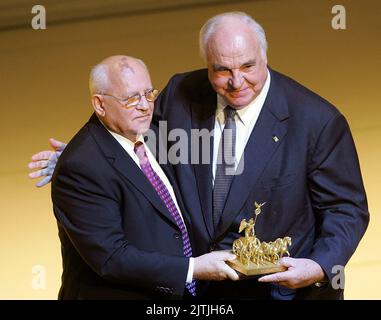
x=134, y=100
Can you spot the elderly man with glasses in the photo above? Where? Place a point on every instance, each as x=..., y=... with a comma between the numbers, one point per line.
x=124, y=232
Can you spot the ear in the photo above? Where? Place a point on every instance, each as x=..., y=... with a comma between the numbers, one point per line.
x=97, y=102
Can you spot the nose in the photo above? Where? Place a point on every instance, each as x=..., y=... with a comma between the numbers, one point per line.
x=143, y=105
x=236, y=79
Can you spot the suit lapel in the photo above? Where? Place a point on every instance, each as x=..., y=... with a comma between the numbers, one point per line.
x=203, y=117
x=267, y=135
x=123, y=163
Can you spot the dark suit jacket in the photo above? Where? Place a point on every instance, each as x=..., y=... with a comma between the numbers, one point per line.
x=310, y=179
x=118, y=239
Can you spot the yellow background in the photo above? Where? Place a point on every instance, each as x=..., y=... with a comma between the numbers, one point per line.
x=43, y=81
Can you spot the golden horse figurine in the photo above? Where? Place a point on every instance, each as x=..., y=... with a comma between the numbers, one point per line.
x=256, y=256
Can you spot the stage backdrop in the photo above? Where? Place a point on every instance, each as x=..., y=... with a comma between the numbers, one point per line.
x=44, y=93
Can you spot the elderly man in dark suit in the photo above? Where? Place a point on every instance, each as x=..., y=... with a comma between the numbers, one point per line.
x=291, y=149
x=294, y=152
x=123, y=231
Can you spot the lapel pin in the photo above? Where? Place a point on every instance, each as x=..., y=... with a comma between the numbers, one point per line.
x=275, y=138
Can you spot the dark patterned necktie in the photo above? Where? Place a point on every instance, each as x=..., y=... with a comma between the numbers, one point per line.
x=225, y=167
x=165, y=196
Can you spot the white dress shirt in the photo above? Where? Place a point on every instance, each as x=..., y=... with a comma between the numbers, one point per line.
x=128, y=145
x=245, y=120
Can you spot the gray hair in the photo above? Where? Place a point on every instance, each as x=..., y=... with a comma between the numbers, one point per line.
x=98, y=80
x=209, y=27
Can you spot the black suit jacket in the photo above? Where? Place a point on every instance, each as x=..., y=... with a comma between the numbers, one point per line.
x=309, y=178
x=118, y=239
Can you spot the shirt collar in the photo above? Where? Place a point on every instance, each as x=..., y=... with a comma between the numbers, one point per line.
x=123, y=140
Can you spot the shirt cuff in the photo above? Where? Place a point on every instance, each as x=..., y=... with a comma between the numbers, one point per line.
x=190, y=270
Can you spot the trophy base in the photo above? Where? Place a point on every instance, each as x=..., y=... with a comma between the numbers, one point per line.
x=252, y=269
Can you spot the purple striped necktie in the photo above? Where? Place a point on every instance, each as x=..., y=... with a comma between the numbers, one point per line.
x=165, y=196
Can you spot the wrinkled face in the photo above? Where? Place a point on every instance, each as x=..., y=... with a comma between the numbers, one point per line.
x=128, y=121
x=236, y=68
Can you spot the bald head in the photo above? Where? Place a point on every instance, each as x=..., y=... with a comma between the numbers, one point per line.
x=113, y=73
x=233, y=36
x=232, y=28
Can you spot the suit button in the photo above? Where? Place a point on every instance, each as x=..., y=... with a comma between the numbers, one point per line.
x=212, y=247
x=176, y=235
